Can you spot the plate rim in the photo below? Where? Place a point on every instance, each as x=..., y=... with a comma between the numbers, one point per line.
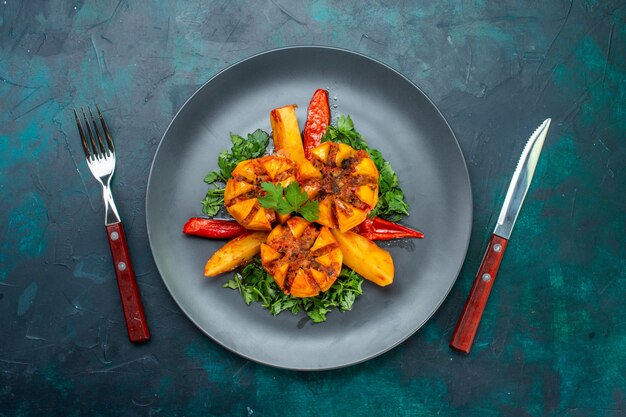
x=464, y=169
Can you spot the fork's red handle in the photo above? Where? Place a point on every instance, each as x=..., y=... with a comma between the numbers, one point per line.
x=129, y=292
x=467, y=326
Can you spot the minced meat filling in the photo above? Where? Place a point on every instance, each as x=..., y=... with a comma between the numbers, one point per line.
x=340, y=181
x=297, y=252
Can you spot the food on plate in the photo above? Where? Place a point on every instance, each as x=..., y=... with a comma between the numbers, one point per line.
x=302, y=258
x=391, y=203
x=235, y=253
x=255, y=285
x=380, y=229
x=213, y=228
x=344, y=181
x=244, y=188
x=289, y=199
x=317, y=121
x=305, y=215
x=365, y=257
x=287, y=139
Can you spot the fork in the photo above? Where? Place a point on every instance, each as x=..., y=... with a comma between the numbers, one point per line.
x=100, y=156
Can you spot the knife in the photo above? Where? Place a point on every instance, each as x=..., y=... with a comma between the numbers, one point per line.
x=467, y=326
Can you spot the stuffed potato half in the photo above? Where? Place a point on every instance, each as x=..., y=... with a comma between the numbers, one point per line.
x=343, y=180
x=303, y=258
x=241, y=196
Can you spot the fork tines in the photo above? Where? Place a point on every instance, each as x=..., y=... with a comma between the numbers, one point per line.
x=95, y=146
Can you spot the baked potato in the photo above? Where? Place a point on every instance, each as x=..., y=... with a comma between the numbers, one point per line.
x=286, y=133
x=365, y=257
x=236, y=252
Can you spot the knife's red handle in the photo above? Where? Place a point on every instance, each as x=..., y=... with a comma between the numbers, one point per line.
x=129, y=292
x=465, y=331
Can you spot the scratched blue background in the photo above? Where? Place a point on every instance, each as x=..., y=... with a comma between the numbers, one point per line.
x=553, y=337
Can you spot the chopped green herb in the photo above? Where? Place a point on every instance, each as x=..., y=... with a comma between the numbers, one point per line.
x=213, y=201
x=341, y=295
x=391, y=203
x=212, y=177
x=256, y=285
x=289, y=199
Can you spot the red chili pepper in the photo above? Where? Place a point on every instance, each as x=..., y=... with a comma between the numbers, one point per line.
x=213, y=228
x=381, y=229
x=373, y=229
x=318, y=119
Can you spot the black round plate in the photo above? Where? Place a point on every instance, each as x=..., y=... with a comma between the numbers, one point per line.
x=395, y=117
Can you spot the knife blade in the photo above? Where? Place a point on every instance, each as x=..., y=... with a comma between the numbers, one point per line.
x=466, y=328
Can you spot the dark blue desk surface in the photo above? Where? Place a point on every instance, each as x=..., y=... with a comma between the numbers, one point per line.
x=554, y=333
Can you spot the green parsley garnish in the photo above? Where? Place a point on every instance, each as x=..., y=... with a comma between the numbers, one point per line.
x=213, y=201
x=391, y=204
x=252, y=147
x=290, y=199
x=256, y=285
